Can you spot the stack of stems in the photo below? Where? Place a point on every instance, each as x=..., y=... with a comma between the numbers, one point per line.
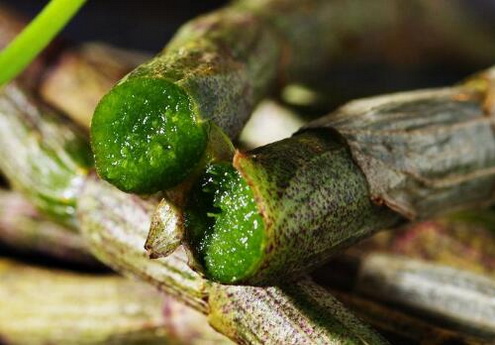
x=236, y=334
x=372, y=164
x=150, y=131
x=115, y=225
x=53, y=306
x=396, y=325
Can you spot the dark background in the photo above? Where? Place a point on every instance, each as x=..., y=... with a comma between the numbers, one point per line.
x=149, y=25
x=144, y=25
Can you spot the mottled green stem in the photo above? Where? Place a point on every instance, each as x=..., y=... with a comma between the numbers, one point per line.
x=47, y=306
x=23, y=227
x=298, y=313
x=41, y=156
x=150, y=131
x=116, y=225
x=358, y=170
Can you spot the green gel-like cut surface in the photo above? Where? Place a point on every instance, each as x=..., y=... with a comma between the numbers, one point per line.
x=224, y=226
x=146, y=136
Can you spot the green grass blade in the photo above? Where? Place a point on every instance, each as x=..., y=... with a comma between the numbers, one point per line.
x=29, y=43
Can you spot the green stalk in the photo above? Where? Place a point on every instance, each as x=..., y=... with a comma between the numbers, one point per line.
x=286, y=207
x=250, y=226
x=58, y=307
x=23, y=227
x=41, y=156
x=150, y=132
x=116, y=225
x=37, y=35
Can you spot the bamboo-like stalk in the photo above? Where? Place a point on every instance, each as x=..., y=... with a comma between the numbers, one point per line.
x=115, y=225
x=448, y=249
x=367, y=166
x=41, y=156
x=219, y=66
x=23, y=227
x=48, y=306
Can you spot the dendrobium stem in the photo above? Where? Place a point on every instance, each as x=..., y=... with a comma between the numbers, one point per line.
x=42, y=156
x=150, y=130
x=49, y=306
x=370, y=165
x=24, y=228
x=115, y=226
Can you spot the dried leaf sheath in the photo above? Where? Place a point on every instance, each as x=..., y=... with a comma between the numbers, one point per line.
x=422, y=152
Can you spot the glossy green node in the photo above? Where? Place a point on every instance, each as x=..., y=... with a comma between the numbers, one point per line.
x=146, y=135
x=224, y=226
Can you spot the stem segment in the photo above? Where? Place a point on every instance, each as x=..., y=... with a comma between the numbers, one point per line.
x=363, y=168
x=219, y=66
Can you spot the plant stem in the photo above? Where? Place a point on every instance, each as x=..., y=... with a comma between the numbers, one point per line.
x=116, y=225
x=23, y=227
x=219, y=66
x=403, y=328
x=367, y=166
x=447, y=295
x=42, y=156
x=35, y=37
x=47, y=306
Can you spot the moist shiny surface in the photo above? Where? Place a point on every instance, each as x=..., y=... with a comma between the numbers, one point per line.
x=224, y=225
x=146, y=136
